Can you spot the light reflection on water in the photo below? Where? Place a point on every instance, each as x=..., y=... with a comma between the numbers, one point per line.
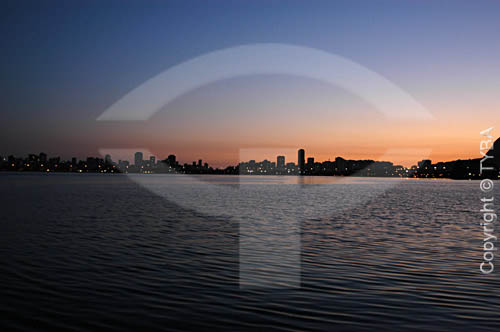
x=255, y=179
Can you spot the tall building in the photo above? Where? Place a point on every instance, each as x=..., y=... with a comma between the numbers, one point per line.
x=171, y=160
x=280, y=162
x=107, y=159
x=301, y=161
x=43, y=158
x=152, y=160
x=310, y=161
x=138, y=159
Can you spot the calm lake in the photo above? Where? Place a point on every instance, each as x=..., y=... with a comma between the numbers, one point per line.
x=173, y=252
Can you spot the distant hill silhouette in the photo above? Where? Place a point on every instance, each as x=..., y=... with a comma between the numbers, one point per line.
x=495, y=152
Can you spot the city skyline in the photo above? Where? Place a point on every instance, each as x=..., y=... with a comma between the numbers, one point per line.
x=457, y=169
x=267, y=155
x=153, y=158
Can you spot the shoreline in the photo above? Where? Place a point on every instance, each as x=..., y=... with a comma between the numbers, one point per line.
x=242, y=175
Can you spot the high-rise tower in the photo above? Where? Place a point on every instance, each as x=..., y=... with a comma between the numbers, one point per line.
x=301, y=160
x=280, y=162
x=138, y=159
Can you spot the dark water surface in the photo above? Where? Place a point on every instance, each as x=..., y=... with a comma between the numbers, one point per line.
x=88, y=252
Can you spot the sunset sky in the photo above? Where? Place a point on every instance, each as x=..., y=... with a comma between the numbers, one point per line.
x=63, y=63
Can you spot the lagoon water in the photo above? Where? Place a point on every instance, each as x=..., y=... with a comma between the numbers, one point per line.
x=171, y=252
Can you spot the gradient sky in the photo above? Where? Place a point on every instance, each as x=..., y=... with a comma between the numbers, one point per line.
x=64, y=62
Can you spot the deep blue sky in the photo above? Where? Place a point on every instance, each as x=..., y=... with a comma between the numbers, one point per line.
x=64, y=62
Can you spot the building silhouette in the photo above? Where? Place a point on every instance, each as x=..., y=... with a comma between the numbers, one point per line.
x=280, y=162
x=301, y=161
x=341, y=165
x=43, y=158
x=171, y=161
x=138, y=159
